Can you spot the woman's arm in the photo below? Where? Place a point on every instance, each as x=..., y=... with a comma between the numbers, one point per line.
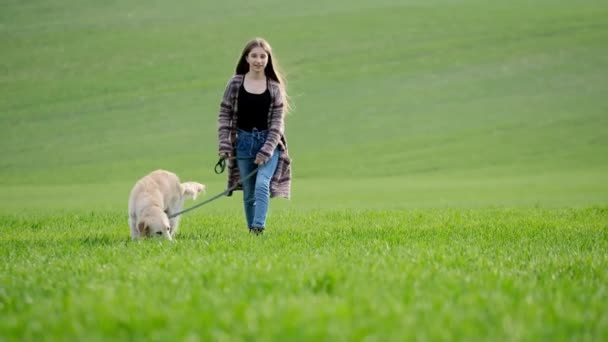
x=225, y=120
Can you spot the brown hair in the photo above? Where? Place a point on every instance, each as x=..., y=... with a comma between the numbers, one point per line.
x=272, y=70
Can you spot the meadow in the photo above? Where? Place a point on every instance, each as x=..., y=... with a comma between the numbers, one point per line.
x=450, y=165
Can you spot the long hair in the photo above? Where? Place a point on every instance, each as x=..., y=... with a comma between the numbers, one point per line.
x=272, y=70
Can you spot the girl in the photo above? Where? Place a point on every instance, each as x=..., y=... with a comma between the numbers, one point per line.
x=251, y=129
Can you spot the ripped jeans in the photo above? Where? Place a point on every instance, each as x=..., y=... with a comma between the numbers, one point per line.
x=256, y=190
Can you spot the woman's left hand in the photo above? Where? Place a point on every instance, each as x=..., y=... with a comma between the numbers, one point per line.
x=258, y=161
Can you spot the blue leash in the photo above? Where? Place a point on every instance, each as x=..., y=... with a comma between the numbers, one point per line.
x=219, y=168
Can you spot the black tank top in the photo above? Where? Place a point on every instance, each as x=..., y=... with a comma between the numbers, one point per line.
x=253, y=110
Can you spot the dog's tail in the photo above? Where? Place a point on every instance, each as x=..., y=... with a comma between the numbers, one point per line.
x=192, y=189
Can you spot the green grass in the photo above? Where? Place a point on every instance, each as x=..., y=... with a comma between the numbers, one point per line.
x=346, y=275
x=450, y=167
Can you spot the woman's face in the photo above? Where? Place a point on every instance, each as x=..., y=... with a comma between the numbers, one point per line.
x=257, y=59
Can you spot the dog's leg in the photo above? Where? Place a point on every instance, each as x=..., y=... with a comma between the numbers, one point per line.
x=132, y=225
x=174, y=222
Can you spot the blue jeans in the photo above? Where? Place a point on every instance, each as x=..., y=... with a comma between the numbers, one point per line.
x=256, y=190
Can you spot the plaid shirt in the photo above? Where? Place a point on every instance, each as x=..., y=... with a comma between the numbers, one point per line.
x=280, y=184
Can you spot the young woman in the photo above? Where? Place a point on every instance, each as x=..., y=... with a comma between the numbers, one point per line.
x=251, y=129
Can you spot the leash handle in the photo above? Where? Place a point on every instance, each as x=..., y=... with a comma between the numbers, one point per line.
x=220, y=166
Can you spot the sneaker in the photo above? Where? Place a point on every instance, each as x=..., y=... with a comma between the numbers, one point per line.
x=256, y=230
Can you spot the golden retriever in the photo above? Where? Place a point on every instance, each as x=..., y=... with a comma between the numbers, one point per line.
x=154, y=198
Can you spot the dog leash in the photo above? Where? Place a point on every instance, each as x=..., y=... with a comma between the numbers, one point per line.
x=219, y=168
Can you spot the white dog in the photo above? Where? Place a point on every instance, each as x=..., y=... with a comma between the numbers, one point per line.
x=154, y=198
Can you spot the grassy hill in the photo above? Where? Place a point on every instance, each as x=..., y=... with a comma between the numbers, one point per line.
x=421, y=93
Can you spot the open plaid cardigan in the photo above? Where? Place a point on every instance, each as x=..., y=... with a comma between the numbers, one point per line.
x=280, y=184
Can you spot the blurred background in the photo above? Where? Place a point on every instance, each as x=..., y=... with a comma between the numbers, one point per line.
x=398, y=104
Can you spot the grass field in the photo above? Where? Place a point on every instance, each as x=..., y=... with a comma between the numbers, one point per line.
x=450, y=167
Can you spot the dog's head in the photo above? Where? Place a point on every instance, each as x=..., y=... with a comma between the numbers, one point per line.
x=154, y=225
x=192, y=189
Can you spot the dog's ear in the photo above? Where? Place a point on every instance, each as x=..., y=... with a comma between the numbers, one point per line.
x=142, y=228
